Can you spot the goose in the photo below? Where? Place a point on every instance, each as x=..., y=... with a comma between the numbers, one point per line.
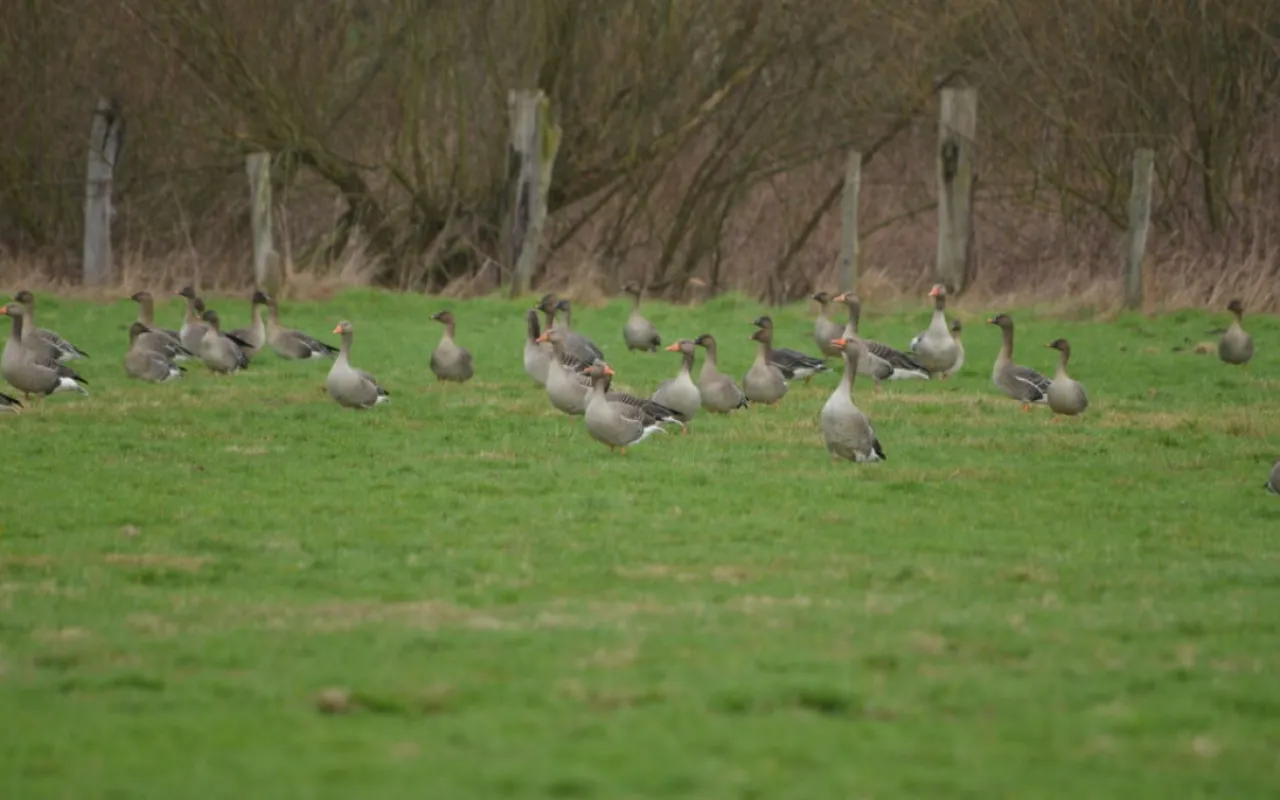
x=145, y=363
x=639, y=332
x=872, y=366
x=1065, y=395
x=720, y=393
x=1236, y=346
x=568, y=388
x=450, y=361
x=147, y=316
x=222, y=353
x=764, y=381
x=935, y=349
x=1023, y=384
x=43, y=343
x=616, y=424
x=681, y=393
x=957, y=329
x=1273, y=481
x=792, y=363
x=845, y=429
x=9, y=405
x=167, y=347
x=825, y=330
x=291, y=344
x=351, y=387
x=537, y=355
x=32, y=374
x=901, y=366
x=254, y=336
x=581, y=349
x=192, y=327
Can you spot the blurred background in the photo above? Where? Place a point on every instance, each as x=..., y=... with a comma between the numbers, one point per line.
x=700, y=138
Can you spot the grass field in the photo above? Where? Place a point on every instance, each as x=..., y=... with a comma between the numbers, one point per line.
x=194, y=577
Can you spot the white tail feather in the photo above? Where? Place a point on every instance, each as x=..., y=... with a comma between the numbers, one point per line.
x=69, y=385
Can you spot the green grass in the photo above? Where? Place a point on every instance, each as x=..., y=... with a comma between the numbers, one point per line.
x=503, y=608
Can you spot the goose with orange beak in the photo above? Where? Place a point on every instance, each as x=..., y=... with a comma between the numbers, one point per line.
x=612, y=422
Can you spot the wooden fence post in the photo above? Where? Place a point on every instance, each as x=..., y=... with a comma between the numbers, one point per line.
x=531, y=153
x=1139, y=224
x=267, y=274
x=957, y=126
x=849, y=249
x=106, y=137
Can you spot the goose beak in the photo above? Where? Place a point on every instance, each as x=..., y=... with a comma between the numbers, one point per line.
x=608, y=370
x=839, y=342
x=991, y=321
x=673, y=347
x=337, y=329
x=543, y=338
x=840, y=297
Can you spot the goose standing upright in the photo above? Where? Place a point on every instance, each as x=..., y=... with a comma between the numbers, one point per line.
x=29, y=373
x=566, y=386
x=580, y=348
x=537, y=355
x=764, y=381
x=639, y=332
x=882, y=362
x=41, y=342
x=222, y=353
x=935, y=349
x=826, y=330
x=616, y=424
x=450, y=361
x=681, y=393
x=291, y=344
x=720, y=393
x=1065, y=396
x=193, y=328
x=845, y=429
x=255, y=335
x=144, y=362
x=147, y=316
x=957, y=330
x=1236, y=346
x=351, y=387
x=1021, y=383
x=792, y=363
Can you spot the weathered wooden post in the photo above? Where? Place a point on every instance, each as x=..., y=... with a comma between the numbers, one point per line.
x=106, y=137
x=531, y=153
x=849, y=222
x=267, y=274
x=1139, y=224
x=957, y=126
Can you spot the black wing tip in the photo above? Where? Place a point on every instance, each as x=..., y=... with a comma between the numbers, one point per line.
x=879, y=450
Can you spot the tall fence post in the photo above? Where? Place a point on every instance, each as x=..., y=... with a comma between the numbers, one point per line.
x=106, y=137
x=1139, y=224
x=531, y=153
x=267, y=274
x=957, y=127
x=849, y=249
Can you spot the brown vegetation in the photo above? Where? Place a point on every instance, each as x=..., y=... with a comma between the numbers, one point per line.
x=701, y=138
